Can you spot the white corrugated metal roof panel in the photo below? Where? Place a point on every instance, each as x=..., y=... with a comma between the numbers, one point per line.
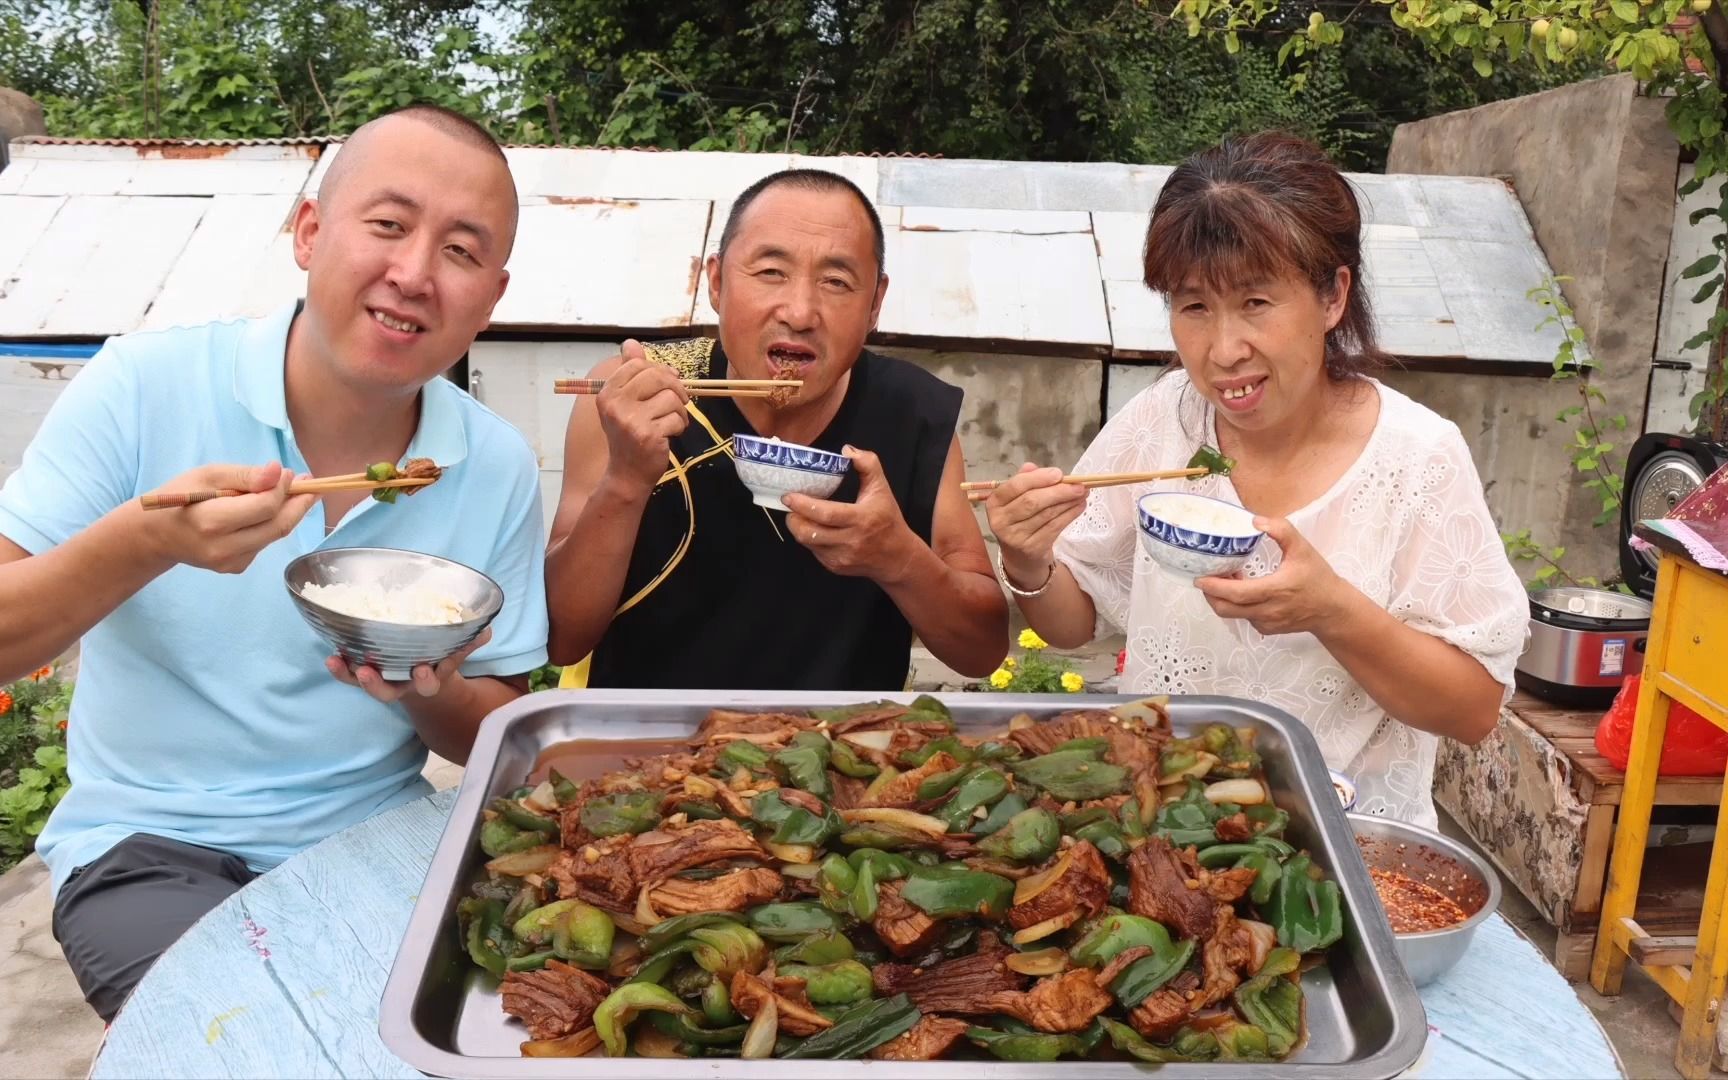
x=997, y=255
x=223, y=260
x=98, y=266
x=625, y=265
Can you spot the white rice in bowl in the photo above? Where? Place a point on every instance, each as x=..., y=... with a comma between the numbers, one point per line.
x=417, y=605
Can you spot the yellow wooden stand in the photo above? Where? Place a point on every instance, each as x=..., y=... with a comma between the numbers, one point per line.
x=1686, y=661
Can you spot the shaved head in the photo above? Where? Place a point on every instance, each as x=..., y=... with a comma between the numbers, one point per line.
x=446, y=122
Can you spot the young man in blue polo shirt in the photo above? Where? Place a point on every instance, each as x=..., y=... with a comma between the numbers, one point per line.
x=211, y=736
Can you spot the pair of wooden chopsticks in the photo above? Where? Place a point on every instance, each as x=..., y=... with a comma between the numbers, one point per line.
x=981, y=489
x=752, y=388
x=318, y=485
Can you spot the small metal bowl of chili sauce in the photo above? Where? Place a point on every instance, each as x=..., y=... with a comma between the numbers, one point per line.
x=1436, y=891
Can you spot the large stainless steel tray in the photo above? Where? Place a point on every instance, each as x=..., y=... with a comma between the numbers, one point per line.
x=438, y=1015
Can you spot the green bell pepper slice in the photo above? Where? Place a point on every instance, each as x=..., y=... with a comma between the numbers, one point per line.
x=789, y=922
x=843, y=759
x=805, y=762
x=1147, y=974
x=1273, y=1004
x=662, y=934
x=685, y=1029
x=1035, y=1046
x=1306, y=912
x=1073, y=775
x=1107, y=836
x=980, y=788
x=951, y=890
x=499, y=837
x=487, y=939
x=1005, y=808
x=622, y=1006
x=1188, y=1045
x=725, y=950
x=1242, y=1042
x=1030, y=836
x=835, y=882
x=859, y=1030
x=827, y=947
x=564, y=789
x=1118, y=933
x=741, y=754
x=793, y=824
x=844, y=982
x=625, y=812
x=523, y=818
x=1212, y=461
x=717, y=1004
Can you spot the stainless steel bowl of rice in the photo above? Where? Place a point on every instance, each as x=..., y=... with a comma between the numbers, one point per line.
x=390, y=608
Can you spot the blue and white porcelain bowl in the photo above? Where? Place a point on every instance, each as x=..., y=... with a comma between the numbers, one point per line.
x=1195, y=536
x=772, y=469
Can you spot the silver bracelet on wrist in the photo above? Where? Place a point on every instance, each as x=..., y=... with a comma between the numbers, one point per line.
x=1002, y=576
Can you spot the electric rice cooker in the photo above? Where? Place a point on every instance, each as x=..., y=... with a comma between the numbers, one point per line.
x=1583, y=644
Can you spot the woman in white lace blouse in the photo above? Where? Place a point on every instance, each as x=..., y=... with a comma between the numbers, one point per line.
x=1380, y=609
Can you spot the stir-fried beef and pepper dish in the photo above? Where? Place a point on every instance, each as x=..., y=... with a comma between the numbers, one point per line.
x=866, y=882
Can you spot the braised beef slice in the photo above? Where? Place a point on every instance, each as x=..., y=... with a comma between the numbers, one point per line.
x=1159, y=888
x=554, y=1001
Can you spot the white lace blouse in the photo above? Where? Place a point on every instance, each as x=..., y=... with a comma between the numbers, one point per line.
x=1406, y=524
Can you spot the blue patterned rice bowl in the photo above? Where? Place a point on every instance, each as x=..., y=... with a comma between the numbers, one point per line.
x=1194, y=536
x=772, y=469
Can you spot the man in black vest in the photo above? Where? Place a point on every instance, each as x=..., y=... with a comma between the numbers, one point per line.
x=660, y=580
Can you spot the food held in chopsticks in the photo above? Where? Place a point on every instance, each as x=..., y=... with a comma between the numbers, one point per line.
x=865, y=882
x=413, y=469
x=384, y=480
x=1205, y=462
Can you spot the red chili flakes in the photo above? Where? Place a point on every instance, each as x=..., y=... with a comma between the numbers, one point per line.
x=1414, y=907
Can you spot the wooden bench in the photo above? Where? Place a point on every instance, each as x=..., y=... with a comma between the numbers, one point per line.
x=1539, y=799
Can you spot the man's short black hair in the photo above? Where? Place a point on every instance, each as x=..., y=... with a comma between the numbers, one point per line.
x=808, y=180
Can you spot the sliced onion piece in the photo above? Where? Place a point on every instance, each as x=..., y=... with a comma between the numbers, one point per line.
x=576, y=1044
x=1040, y=931
x=876, y=740
x=906, y=819
x=763, y=1031
x=1050, y=961
x=798, y=854
x=1241, y=792
x=1028, y=888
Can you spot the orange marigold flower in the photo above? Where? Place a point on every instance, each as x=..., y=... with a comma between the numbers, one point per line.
x=5, y=703
x=62, y=725
x=42, y=673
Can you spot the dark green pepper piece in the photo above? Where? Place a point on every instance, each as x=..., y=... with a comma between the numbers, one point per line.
x=1029, y=836
x=844, y=982
x=563, y=788
x=1190, y=820
x=698, y=811
x=1106, y=836
x=621, y=1006
x=1148, y=973
x=1212, y=461
x=527, y=899
x=1035, y=1046
x=626, y=812
x=792, y=922
x=1095, y=744
x=523, y=818
x=865, y=898
x=486, y=935
x=954, y=890
x=828, y=947
x=1005, y=808
x=1268, y=820
x=656, y=968
x=859, y=1030
x=728, y=949
x=665, y=933
x=717, y=1004
x=1188, y=1045
x=793, y=824
x=1073, y=775
x=806, y=764
x=1079, y=819
x=1132, y=827
x=942, y=783
x=843, y=759
x=1242, y=1042
x=499, y=837
x=1118, y=933
x=741, y=754
x=1305, y=911
x=835, y=881
x=980, y=788
x=489, y=888
x=887, y=866
x=583, y=936
x=529, y=961
x=684, y=1029
x=1273, y=1004
x=926, y=708
x=947, y=744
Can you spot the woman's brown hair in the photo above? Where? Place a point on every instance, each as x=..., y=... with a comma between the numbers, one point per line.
x=1259, y=206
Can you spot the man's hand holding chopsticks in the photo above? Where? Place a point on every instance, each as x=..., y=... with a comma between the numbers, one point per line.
x=225, y=535
x=641, y=411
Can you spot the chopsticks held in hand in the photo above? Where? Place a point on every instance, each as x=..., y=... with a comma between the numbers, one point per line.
x=318, y=485
x=752, y=388
x=978, y=490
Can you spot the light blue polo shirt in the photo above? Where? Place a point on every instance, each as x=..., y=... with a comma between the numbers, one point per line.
x=203, y=711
